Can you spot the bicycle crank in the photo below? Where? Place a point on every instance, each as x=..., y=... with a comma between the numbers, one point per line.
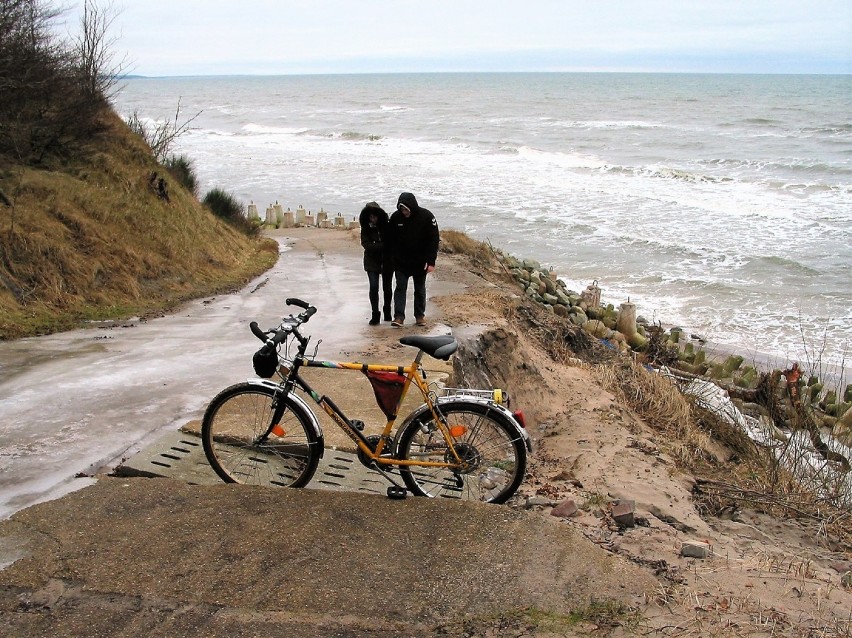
x=373, y=442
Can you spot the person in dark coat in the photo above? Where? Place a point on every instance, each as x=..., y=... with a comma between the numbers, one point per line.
x=377, y=258
x=414, y=239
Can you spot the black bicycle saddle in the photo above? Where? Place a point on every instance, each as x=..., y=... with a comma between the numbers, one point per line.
x=440, y=347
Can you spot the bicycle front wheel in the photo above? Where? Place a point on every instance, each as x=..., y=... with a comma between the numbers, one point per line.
x=492, y=451
x=233, y=434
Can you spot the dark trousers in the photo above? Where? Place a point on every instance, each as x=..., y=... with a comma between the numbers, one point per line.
x=387, y=288
x=399, y=295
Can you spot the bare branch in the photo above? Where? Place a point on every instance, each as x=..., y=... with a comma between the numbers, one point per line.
x=163, y=135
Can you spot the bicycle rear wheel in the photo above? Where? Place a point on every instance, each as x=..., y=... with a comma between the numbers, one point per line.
x=493, y=452
x=231, y=432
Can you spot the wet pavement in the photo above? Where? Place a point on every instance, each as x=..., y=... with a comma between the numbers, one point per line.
x=76, y=402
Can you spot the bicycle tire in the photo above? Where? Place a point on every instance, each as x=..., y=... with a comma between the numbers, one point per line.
x=234, y=421
x=493, y=448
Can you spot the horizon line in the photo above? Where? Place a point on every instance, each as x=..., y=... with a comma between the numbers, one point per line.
x=131, y=76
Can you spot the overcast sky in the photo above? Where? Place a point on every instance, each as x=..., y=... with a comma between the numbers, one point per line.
x=216, y=37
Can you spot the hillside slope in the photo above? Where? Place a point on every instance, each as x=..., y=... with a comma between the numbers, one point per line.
x=91, y=238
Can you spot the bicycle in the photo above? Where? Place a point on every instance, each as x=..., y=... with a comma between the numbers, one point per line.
x=466, y=444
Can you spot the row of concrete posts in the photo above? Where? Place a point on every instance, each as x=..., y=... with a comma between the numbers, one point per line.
x=277, y=217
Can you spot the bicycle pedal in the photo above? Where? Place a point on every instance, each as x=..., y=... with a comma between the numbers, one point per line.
x=397, y=493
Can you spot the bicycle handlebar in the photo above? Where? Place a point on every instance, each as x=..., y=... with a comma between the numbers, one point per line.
x=292, y=301
x=309, y=310
x=283, y=330
x=257, y=331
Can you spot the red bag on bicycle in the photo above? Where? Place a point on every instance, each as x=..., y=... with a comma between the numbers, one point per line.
x=387, y=386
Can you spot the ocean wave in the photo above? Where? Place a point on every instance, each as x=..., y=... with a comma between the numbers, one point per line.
x=776, y=261
x=211, y=132
x=666, y=172
x=355, y=136
x=760, y=121
x=564, y=160
x=345, y=136
x=608, y=124
x=790, y=165
x=506, y=147
x=831, y=129
x=392, y=107
x=803, y=190
x=261, y=129
x=689, y=252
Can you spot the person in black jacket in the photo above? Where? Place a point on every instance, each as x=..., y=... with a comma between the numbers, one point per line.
x=414, y=239
x=377, y=258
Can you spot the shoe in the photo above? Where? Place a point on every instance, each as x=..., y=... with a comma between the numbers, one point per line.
x=421, y=321
x=398, y=322
x=387, y=313
x=374, y=320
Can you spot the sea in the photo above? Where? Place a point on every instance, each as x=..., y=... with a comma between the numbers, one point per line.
x=718, y=203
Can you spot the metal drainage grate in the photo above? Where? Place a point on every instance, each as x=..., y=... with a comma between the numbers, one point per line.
x=180, y=455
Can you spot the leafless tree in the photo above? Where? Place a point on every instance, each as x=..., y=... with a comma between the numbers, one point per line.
x=98, y=67
x=30, y=63
x=52, y=94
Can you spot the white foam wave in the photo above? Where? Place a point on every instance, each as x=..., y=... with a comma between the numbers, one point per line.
x=609, y=124
x=261, y=129
x=562, y=160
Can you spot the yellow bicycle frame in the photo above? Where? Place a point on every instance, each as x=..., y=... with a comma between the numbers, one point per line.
x=412, y=374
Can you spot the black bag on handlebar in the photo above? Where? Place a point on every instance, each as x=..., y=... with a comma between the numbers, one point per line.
x=265, y=362
x=387, y=386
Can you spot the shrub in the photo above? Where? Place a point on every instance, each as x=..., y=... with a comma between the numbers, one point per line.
x=183, y=171
x=227, y=207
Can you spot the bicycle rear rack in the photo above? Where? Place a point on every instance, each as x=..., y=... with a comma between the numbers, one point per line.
x=497, y=395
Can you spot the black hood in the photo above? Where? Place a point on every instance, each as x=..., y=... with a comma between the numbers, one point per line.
x=372, y=207
x=409, y=200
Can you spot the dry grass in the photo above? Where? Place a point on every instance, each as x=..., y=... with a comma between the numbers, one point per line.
x=716, y=614
x=563, y=342
x=91, y=240
x=753, y=477
x=454, y=242
x=660, y=404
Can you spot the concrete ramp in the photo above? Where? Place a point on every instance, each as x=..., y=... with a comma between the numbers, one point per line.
x=159, y=557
